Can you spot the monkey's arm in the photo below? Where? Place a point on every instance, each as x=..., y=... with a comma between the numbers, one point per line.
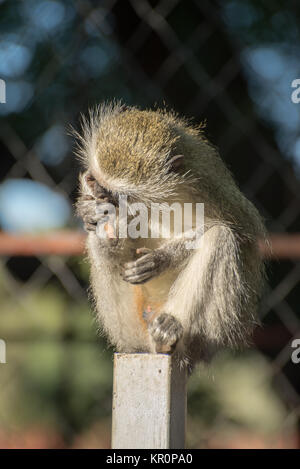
x=216, y=295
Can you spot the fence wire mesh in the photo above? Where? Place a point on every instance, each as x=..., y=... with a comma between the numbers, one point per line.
x=62, y=57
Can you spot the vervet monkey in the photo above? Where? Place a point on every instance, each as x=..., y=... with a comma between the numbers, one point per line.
x=155, y=294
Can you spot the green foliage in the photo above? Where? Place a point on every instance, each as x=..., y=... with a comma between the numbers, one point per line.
x=58, y=371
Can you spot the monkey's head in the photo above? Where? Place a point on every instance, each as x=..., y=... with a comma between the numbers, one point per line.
x=138, y=153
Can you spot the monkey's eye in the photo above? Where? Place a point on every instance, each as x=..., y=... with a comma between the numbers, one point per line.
x=175, y=162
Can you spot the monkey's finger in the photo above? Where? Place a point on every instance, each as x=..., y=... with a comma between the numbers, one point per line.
x=90, y=226
x=142, y=278
x=145, y=258
x=133, y=264
x=136, y=279
x=140, y=261
x=143, y=251
x=139, y=269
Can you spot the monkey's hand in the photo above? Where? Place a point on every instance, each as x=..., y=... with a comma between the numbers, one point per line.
x=166, y=331
x=86, y=209
x=153, y=263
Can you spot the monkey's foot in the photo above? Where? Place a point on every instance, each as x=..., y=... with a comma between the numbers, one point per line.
x=166, y=332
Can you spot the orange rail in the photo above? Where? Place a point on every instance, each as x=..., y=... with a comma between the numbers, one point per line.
x=65, y=243
x=68, y=243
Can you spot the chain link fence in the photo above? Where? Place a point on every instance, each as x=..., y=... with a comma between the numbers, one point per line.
x=200, y=58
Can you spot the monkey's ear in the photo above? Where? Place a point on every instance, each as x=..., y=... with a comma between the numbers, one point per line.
x=175, y=162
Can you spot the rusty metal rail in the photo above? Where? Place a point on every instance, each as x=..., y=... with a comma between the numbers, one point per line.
x=69, y=243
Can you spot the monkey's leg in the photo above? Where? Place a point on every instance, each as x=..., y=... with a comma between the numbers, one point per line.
x=215, y=296
x=165, y=331
x=115, y=299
